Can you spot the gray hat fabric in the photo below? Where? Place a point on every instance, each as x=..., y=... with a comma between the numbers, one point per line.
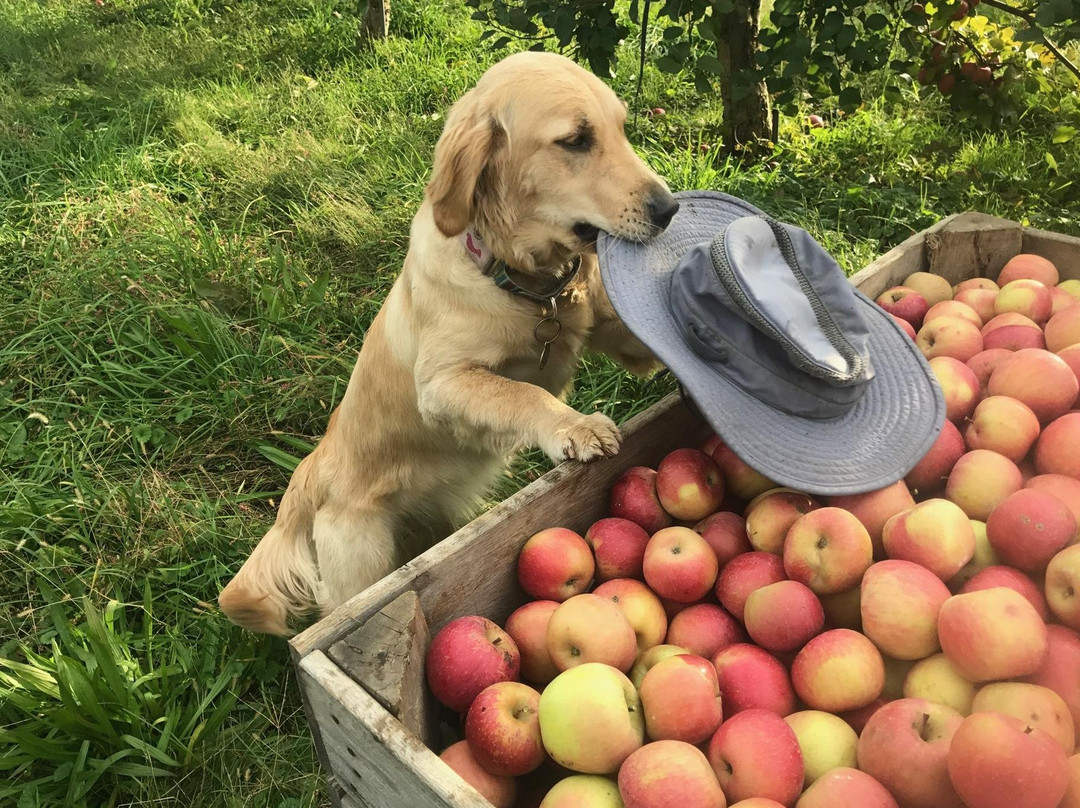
x=803, y=376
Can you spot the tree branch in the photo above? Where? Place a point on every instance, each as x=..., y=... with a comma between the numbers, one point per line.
x=1030, y=20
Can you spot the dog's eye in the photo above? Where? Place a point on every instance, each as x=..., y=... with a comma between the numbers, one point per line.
x=578, y=142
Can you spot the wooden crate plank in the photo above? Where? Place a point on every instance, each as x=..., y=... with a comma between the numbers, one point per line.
x=1063, y=251
x=385, y=655
x=890, y=269
x=448, y=577
x=375, y=761
x=972, y=244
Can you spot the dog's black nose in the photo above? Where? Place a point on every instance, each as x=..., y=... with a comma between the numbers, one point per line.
x=662, y=208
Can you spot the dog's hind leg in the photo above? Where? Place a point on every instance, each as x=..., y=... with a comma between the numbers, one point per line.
x=355, y=548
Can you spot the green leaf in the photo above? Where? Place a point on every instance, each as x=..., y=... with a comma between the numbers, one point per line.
x=1050, y=161
x=845, y=38
x=876, y=22
x=1063, y=134
x=849, y=99
x=711, y=64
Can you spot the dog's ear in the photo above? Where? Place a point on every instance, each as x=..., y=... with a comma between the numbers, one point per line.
x=464, y=150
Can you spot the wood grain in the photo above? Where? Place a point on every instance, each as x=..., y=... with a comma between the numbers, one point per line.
x=1063, y=251
x=385, y=655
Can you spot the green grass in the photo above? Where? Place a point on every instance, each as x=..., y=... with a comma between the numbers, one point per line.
x=202, y=206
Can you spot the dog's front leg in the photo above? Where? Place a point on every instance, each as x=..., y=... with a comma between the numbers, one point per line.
x=470, y=399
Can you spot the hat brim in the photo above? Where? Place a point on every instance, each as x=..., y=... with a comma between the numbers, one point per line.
x=874, y=444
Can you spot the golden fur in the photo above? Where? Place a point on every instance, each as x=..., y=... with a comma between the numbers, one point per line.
x=446, y=385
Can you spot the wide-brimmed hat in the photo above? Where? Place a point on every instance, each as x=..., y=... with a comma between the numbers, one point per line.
x=803, y=376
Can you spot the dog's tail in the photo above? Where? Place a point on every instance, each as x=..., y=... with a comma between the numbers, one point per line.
x=279, y=580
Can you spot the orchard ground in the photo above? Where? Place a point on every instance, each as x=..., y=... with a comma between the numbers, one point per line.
x=202, y=206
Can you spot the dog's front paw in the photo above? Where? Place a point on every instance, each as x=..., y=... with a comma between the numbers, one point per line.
x=586, y=438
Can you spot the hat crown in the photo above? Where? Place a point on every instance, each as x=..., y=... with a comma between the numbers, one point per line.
x=771, y=310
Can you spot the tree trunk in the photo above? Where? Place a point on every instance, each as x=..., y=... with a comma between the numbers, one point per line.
x=376, y=21
x=745, y=99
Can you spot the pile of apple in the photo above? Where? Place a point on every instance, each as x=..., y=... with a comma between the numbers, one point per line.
x=719, y=640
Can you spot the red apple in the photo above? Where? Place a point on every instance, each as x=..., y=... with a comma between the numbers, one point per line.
x=1072, y=793
x=500, y=791
x=1058, y=449
x=900, y=603
x=828, y=550
x=1063, y=586
x=667, y=773
x=771, y=515
x=931, y=472
x=1063, y=329
x=1006, y=319
x=846, y=788
x=905, y=747
x=1010, y=578
x=641, y=608
x=1014, y=338
x=905, y=326
x=1038, y=378
x=997, y=761
x=949, y=336
x=1037, y=706
x=875, y=508
x=467, y=655
x=756, y=754
x=1025, y=296
x=1028, y=265
x=681, y=699
x=783, y=616
x=527, y=627
x=680, y=565
x=953, y=308
x=745, y=573
x=650, y=658
x=983, y=364
x=503, y=729
x=1071, y=355
x=555, y=564
x=959, y=384
x=936, y=534
x=725, y=532
x=905, y=303
x=981, y=300
x=1028, y=528
x=992, y=634
x=975, y=283
x=619, y=548
x=838, y=670
x=591, y=628
x=1067, y=489
x=980, y=480
x=689, y=484
x=1003, y=425
x=751, y=677
x=704, y=629
x=1060, y=670
x=633, y=497
x=740, y=479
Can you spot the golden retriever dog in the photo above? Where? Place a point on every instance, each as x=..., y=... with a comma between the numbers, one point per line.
x=532, y=162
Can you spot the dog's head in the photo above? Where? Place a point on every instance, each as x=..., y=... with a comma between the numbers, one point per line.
x=536, y=156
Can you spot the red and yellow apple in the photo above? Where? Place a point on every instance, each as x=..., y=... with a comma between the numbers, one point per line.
x=591, y=628
x=689, y=484
x=932, y=471
x=755, y=753
x=1039, y=379
x=936, y=679
x=875, y=508
x=1060, y=670
x=837, y=671
x=500, y=791
x=1035, y=705
x=679, y=565
x=980, y=480
x=619, y=548
x=527, y=627
x=992, y=634
x=905, y=303
x=467, y=655
x=751, y=677
x=953, y=308
x=745, y=573
x=949, y=336
x=1028, y=265
x=725, y=533
x=642, y=609
x=583, y=790
x=959, y=384
x=783, y=616
x=1058, y=449
x=1028, y=528
x=828, y=550
x=555, y=564
x=1025, y=296
x=826, y=741
x=1010, y=578
x=669, y=773
x=998, y=761
x=1067, y=489
x=1062, y=585
x=680, y=698
x=740, y=479
x=770, y=515
x=846, y=788
x=935, y=534
x=502, y=727
x=704, y=629
x=900, y=602
x=1063, y=329
x=633, y=497
x=648, y=659
x=932, y=287
x=591, y=719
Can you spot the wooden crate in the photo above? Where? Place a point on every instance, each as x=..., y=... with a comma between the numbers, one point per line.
x=375, y=739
